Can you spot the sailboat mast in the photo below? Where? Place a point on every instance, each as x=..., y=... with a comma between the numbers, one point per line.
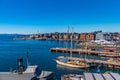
x=85, y=54
x=71, y=42
x=67, y=41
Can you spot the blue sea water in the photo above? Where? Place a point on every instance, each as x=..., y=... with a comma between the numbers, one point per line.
x=39, y=54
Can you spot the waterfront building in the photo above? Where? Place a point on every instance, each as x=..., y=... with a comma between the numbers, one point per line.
x=108, y=36
x=31, y=36
x=87, y=36
x=82, y=36
x=49, y=35
x=71, y=36
x=54, y=36
x=36, y=36
x=116, y=37
x=99, y=35
x=46, y=35
x=60, y=36
x=66, y=36
x=76, y=36
x=90, y=36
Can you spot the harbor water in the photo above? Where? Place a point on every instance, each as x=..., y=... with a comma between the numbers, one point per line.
x=39, y=54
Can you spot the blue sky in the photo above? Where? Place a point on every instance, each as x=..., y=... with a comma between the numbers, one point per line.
x=30, y=16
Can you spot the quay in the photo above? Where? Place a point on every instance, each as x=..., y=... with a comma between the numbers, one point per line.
x=92, y=76
x=109, y=63
x=98, y=46
x=84, y=51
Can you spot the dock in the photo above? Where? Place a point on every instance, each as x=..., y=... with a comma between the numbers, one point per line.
x=99, y=76
x=98, y=46
x=102, y=62
x=109, y=63
x=84, y=51
x=93, y=76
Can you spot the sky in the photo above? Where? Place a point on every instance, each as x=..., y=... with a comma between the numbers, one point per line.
x=44, y=16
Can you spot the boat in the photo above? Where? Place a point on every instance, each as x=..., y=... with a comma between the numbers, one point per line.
x=72, y=77
x=71, y=63
x=46, y=75
x=103, y=42
x=66, y=61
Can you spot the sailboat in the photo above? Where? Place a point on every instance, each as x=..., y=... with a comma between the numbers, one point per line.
x=67, y=61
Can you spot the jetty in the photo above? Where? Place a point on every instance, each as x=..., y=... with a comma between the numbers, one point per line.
x=84, y=51
x=98, y=45
x=92, y=76
x=109, y=63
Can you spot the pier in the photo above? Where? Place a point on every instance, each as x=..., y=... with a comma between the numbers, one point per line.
x=98, y=76
x=98, y=46
x=92, y=76
x=115, y=64
x=84, y=51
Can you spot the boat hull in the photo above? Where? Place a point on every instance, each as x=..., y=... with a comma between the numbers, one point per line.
x=71, y=65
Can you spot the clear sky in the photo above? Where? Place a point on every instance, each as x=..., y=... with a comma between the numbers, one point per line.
x=31, y=16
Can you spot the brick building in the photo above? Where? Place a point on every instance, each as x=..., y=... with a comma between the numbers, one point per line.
x=87, y=36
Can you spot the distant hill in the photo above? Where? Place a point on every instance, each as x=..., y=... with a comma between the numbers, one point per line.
x=11, y=36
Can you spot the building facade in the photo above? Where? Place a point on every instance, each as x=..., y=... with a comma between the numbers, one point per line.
x=87, y=36
x=99, y=35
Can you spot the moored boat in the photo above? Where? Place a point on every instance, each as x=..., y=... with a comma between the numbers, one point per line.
x=70, y=63
x=72, y=77
x=46, y=75
x=65, y=61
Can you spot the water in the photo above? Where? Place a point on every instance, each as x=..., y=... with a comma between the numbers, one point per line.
x=39, y=54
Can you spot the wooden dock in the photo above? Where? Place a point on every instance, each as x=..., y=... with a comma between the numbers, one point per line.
x=78, y=51
x=99, y=76
x=98, y=46
x=92, y=76
x=112, y=63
